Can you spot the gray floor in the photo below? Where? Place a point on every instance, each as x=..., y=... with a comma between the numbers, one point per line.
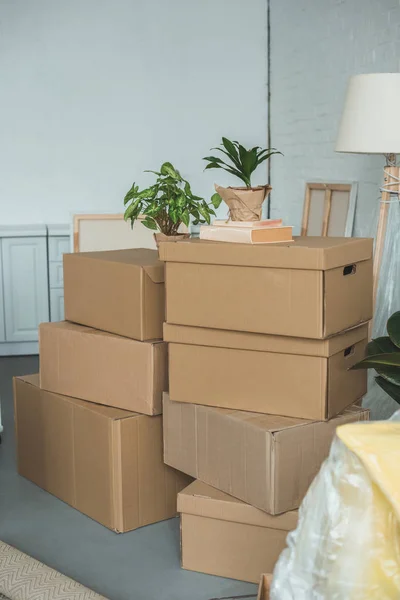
x=140, y=565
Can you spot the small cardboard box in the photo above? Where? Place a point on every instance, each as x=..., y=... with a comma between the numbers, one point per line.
x=264, y=586
x=223, y=536
x=105, y=462
x=312, y=288
x=264, y=460
x=120, y=291
x=295, y=377
x=101, y=367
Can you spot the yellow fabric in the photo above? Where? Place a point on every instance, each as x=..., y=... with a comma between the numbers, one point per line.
x=377, y=445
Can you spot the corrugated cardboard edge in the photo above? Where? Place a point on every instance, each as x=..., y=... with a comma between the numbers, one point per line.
x=115, y=461
x=160, y=375
x=255, y=342
x=278, y=255
x=236, y=512
x=16, y=419
x=264, y=587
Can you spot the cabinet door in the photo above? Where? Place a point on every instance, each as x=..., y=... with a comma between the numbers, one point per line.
x=26, y=300
x=2, y=327
x=57, y=304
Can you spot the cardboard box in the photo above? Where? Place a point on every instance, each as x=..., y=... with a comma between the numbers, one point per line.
x=313, y=288
x=103, y=368
x=223, y=536
x=105, y=462
x=120, y=291
x=264, y=586
x=295, y=377
x=264, y=460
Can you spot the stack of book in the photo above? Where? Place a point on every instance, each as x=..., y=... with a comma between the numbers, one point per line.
x=247, y=232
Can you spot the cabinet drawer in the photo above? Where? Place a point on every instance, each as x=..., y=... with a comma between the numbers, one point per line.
x=58, y=245
x=56, y=274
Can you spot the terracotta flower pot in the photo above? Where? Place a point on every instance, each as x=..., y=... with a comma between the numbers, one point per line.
x=245, y=204
x=161, y=237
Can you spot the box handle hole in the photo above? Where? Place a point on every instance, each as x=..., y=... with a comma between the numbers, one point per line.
x=349, y=269
x=349, y=351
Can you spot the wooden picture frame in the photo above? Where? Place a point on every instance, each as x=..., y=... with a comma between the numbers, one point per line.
x=93, y=232
x=329, y=209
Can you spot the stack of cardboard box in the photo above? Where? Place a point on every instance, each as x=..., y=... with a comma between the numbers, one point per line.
x=261, y=340
x=89, y=430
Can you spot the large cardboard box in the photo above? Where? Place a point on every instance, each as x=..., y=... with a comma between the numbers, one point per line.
x=105, y=462
x=223, y=536
x=267, y=461
x=312, y=288
x=101, y=367
x=282, y=375
x=120, y=291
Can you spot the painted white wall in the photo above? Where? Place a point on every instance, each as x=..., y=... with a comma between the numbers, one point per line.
x=316, y=47
x=95, y=91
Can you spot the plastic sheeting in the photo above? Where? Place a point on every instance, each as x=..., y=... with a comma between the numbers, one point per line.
x=387, y=301
x=347, y=542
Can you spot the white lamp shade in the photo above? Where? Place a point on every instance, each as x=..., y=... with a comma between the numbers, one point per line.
x=371, y=115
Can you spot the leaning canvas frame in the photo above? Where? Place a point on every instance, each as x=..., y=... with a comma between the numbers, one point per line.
x=329, y=209
x=92, y=232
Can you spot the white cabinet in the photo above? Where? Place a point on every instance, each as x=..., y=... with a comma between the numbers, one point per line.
x=31, y=283
x=25, y=287
x=59, y=244
x=57, y=304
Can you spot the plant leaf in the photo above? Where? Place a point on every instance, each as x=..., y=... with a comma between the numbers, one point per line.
x=230, y=148
x=235, y=160
x=130, y=194
x=168, y=169
x=379, y=361
x=186, y=218
x=213, y=158
x=132, y=211
x=150, y=223
x=392, y=390
x=393, y=328
x=381, y=345
x=216, y=200
x=228, y=170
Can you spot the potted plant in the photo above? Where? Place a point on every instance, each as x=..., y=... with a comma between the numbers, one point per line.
x=383, y=355
x=244, y=202
x=167, y=204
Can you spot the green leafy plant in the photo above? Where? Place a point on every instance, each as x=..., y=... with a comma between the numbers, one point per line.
x=243, y=162
x=383, y=355
x=167, y=203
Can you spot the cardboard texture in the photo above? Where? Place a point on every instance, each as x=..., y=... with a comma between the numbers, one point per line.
x=264, y=587
x=223, y=536
x=313, y=288
x=101, y=367
x=267, y=461
x=294, y=377
x=119, y=291
x=105, y=462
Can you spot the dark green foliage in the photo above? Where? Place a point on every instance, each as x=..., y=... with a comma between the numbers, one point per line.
x=167, y=203
x=383, y=355
x=243, y=162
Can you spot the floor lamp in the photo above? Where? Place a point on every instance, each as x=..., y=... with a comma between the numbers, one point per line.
x=370, y=124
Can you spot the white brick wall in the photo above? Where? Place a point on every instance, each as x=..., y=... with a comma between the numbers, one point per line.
x=316, y=46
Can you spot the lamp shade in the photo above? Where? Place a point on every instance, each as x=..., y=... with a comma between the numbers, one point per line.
x=371, y=115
